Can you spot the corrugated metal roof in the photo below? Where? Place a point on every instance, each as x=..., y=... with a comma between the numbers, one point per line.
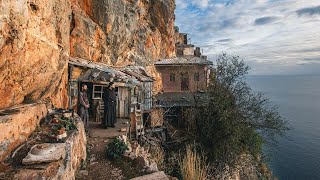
x=138, y=72
x=181, y=99
x=95, y=67
x=183, y=60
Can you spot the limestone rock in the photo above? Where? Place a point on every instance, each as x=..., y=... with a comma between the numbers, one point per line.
x=17, y=124
x=142, y=161
x=123, y=32
x=84, y=172
x=37, y=37
x=153, y=167
x=34, y=46
x=154, y=176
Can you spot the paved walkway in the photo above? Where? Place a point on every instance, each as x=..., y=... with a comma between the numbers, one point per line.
x=97, y=131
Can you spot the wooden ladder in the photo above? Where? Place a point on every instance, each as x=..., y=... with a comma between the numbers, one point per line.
x=139, y=122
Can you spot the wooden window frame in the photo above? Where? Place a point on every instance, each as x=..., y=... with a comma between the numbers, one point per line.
x=100, y=92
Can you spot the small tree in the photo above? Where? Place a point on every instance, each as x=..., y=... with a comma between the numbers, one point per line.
x=235, y=120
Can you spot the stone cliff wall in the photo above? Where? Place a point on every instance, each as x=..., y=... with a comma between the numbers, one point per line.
x=38, y=36
x=34, y=48
x=123, y=32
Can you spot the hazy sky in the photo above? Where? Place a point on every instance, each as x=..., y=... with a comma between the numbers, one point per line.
x=272, y=36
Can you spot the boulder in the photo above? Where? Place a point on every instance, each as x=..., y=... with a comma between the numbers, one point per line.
x=142, y=161
x=153, y=167
x=154, y=176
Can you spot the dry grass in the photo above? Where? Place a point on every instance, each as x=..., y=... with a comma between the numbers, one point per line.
x=192, y=165
x=157, y=155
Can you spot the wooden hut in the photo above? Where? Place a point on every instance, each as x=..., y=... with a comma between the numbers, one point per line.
x=97, y=76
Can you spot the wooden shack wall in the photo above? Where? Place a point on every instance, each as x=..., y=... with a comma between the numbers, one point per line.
x=123, y=102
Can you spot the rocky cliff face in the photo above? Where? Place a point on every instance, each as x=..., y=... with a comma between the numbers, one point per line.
x=34, y=48
x=38, y=36
x=122, y=32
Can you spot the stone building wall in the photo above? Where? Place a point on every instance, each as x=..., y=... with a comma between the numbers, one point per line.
x=175, y=86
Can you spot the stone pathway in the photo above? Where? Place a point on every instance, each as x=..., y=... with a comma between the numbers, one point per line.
x=98, y=166
x=97, y=131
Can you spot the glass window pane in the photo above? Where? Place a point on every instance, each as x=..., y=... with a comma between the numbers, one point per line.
x=97, y=95
x=97, y=88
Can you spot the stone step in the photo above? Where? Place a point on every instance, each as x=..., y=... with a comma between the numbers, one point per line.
x=154, y=176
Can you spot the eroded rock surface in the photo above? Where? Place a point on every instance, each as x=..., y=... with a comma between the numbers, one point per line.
x=123, y=32
x=75, y=153
x=34, y=48
x=37, y=37
x=17, y=125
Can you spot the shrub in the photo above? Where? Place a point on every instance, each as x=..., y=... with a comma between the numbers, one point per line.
x=116, y=148
x=234, y=119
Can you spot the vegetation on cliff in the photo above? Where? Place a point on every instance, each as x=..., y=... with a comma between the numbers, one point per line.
x=235, y=120
x=232, y=126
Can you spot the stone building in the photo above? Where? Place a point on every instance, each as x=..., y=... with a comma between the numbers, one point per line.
x=184, y=74
x=188, y=71
x=185, y=79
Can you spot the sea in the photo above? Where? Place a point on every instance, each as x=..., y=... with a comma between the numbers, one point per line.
x=297, y=155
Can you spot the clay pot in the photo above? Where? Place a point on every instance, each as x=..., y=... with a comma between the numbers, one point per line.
x=61, y=131
x=55, y=121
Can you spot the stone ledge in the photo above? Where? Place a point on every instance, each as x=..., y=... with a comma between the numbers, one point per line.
x=17, y=124
x=75, y=148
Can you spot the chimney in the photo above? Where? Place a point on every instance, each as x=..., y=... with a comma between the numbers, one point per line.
x=185, y=38
x=197, y=52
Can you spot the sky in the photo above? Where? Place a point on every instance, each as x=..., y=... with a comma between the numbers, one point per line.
x=272, y=36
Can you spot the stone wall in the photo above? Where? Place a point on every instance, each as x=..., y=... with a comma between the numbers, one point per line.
x=175, y=86
x=76, y=153
x=64, y=169
x=17, y=124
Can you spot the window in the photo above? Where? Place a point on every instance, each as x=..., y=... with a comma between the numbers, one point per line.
x=196, y=77
x=172, y=77
x=97, y=91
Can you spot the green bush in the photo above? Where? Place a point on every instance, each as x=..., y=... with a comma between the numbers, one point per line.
x=235, y=120
x=116, y=148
